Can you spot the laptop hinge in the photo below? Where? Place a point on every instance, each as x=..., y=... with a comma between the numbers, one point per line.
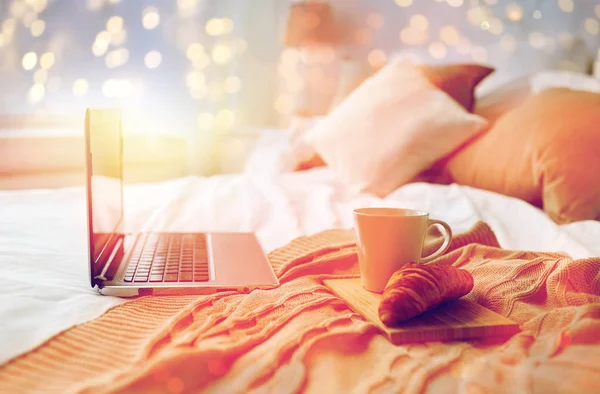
x=110, y=267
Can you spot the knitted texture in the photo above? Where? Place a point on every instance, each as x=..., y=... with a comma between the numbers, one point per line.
x=300, y=337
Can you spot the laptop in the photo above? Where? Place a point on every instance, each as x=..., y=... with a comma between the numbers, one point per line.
x=160, y=263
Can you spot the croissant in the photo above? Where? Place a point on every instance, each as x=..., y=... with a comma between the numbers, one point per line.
x=416, y=288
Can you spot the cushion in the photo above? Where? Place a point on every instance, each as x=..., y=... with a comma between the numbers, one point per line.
x=457, y=80
x=546, y=151
x=381, y=137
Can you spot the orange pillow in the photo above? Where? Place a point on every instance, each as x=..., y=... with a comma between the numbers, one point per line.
x=457, y=80
x=546, y=152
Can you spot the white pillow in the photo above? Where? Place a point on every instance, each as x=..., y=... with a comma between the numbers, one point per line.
x=393, y=126
x=563, y=79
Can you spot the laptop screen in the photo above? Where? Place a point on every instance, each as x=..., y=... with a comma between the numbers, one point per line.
x=104, y=185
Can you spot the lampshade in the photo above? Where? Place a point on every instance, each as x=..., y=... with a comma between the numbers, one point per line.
x=309, y=23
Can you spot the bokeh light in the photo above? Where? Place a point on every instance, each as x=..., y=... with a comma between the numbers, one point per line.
x=195, y=79
x=479, y=54
x=114, y=24
x=29, y=60
x=419, y=22
x=455, y=3
x=412, y=36
x=80, y=87
x=437, y=50
x=117, y=88
x=37, y=28
x=566, y=5
x=116, y=58
x=514, y=11
x=221, y=54
x=377, y=58
x=150, y=18
x=232, y=84
x=153, y=59
x=194, y=51
x=591, y=26
x=47, y=60
x=36, y=93
x=449, y=35
x=40, y=76
x=536, y=39
x=218, y=26
x=404, y=3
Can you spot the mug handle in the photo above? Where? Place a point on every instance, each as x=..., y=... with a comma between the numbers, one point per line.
x=445, y=245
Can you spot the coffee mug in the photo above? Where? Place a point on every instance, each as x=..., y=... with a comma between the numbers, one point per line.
x=389, y=238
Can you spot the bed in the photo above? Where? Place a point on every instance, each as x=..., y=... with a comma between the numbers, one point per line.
x=43, y=245
x=61, y=335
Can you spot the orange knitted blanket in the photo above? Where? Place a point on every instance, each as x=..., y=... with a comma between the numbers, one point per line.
x=300, y=337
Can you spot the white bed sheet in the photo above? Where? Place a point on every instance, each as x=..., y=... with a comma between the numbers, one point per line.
x=43, y=264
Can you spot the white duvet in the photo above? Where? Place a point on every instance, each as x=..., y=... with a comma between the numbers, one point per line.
x=44, y=286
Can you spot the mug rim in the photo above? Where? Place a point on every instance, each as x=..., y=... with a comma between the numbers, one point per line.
x=389, y=212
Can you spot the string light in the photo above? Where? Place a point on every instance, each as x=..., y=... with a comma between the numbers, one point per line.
x=412, y=36
x=437, y=50
x=195, y=79
x=150, y=18
x=37, y=28
x=29, y=60
x=403, y=3
x=114, y=24
x=194, y=51
x=419, y=22
x=221, y=54
x=566, y=5
x=232, y=84
x=117, y=58
x=479, y=54
x=153, y=59
x=40, y=76
x=536, y=40
x=47, y=60
x=420, y=31
x=455, y=3
x=377, y=58
x=80, y=87
x=449, y=35
x=591, y=26
x=36, y=93
x=39, y=5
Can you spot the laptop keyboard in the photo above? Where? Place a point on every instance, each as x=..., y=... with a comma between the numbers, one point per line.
x=166, y=257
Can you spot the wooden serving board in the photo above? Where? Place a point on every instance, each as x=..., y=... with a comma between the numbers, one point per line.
x=456, y=320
